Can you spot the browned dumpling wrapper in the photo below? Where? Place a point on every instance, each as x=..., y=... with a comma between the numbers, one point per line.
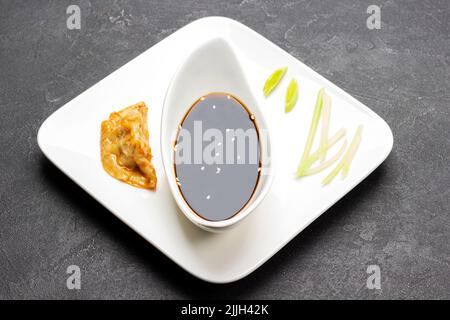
x=125, y=150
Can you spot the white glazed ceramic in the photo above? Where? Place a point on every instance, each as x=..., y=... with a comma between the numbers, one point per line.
x=212, y=67
x=70, y=139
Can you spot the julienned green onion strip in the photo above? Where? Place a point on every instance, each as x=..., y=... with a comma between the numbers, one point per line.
x=312, y=132
x=333, y=140
x=330, y=143
x=325, y=127
x=327, y=163
x=352, y=152
x=344, y=164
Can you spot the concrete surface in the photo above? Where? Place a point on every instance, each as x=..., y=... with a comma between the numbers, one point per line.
x=398, y=218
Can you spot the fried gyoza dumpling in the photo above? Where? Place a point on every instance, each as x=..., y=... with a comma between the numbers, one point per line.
x=125, y=150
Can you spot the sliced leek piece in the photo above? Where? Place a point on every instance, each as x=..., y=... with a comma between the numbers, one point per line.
x=291, y=96
x=352, y=152
x=331, y=142
x=344, y=164
x=325, y=127
x=273, y=80
x=311, y=134
x=327, y=163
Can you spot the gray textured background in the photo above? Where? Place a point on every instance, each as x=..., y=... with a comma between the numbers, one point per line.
x=397, y=218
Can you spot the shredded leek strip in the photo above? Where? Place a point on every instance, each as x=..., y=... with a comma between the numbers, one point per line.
x=327, y=163
x=333, y=173
x=347, y=159
x=331, y=142
x=352, y=152
x=325, y=127
x=312, y=132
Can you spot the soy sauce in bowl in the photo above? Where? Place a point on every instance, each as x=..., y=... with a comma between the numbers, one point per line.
x=217, y=156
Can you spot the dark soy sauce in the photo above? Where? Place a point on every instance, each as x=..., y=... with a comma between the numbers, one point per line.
x=219, y=190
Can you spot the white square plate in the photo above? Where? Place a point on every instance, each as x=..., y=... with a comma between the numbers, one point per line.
x=70, y=139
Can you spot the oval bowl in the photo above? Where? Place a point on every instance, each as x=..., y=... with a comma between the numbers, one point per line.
x=212, y=67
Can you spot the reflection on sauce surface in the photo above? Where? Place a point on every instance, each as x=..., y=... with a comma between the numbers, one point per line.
x=214, y=187
x=125, y=150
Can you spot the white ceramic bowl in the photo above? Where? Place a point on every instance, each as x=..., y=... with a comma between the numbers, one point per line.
x=212, y=67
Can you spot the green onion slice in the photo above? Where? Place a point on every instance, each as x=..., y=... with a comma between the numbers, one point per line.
x=273, y=80
x=291, y=96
